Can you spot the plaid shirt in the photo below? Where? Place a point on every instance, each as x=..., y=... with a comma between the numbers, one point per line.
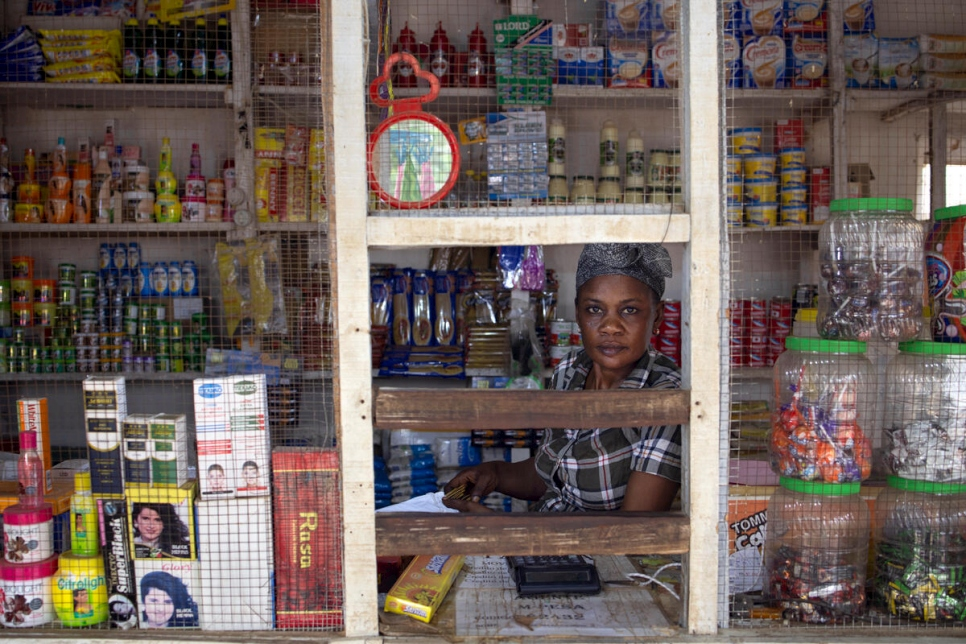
x=588, y=469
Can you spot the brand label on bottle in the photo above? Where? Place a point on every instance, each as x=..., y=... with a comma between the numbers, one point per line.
x=557, y=148
x=439, y=65
x=199, y=64
x=172, y=64
x=635, y=163
x=131, y=64
x=608, y=152
x=222, y=64
x=152, y=63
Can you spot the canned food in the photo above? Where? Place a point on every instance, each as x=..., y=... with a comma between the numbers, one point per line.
x=23, y=267
x=159, y=312
x=22, y=314
x=161, y=329
x=199, y=322
x=5, y=296
x=89, y=279
x=560, y=332
x=22, y=290
x=133, y=255
x=735, y=191
x=189, y=278
x=163, y=363
x=88, y=298
x=66, y=293
x=732, y=167
x=44, y=291
x=557, y=354
x=735, y=215
x=761, y=214
x=44, y=313
x=175, y=330
x=66, y=272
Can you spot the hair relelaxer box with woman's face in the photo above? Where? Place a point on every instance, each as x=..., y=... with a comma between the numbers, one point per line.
x=163, y=521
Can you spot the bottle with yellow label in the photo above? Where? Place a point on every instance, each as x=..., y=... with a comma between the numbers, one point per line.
x=80, y=590
x=83, y=517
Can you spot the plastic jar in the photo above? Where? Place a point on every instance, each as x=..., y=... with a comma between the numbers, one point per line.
x=824, y=395
x=634, y=195
x=80, y=590
x=583, y=191
x=28, y=533
x=557, y=189
x=872, y=266
x=925, y=415
x=609, y=190
x=816, y=550
x=920, y=549
x=27, y=589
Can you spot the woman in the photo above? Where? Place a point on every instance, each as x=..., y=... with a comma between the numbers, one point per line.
x=634, y=469
x=159, y=532
x=165, y=602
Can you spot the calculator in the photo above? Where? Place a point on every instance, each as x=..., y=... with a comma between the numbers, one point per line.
x=554, y=574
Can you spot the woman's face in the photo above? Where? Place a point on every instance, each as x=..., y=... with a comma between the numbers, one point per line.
x=158, y=608
x=617, y=315
x=149, y=524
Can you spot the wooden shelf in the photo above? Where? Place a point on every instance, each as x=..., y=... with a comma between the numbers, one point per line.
x=752, y=373
x=113, y=96
x=321, y=227
x=418, y=230
x=76, y=377
x=97, y=230
x=774, y=230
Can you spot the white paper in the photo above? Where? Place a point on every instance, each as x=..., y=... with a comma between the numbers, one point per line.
x=429, y=502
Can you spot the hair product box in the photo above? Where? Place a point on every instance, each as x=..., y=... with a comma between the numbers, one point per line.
x=105, y=408
x=216, y=466
x=162, y=521
x=231, y=403
x=237, y=564
x=136, y=448
x=308, y=538
x=168, y=593
x=169, y=450
x=422, y=587
x=122, y=601
x=32, y=417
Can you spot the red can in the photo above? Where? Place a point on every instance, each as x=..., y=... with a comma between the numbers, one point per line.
x=779, y=329
x=819, y=193
x=672, y=310
x=757, y=309
x=758, y=328
x=756, y=357
x=789, y=133
x=780, y=308
x=738, y=352
x=670, y=328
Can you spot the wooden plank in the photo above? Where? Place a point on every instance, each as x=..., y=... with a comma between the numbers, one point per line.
x=423, y=409
x=539, y=533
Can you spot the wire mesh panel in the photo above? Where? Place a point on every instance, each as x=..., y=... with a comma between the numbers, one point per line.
x=163, y=219
x=836, y=113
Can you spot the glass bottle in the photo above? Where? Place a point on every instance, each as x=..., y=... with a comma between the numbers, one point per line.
x=133, y=48
x=30, y=472
x=174, y=54
x=222, y=57
x=153, y=58
x=198, y=70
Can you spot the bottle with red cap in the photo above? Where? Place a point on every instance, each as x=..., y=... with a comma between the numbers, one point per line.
x=441, y=56
x=477, y=63
x=30, y=472
x=406, y=42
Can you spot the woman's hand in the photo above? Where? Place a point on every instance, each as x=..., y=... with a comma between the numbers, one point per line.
x=479, y=480
x=465, y=505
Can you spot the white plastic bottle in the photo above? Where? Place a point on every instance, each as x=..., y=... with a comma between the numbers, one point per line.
x=608, y=145
x=635, y=164
x=556, y=148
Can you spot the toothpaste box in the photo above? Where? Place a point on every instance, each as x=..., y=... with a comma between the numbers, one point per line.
x=627, y=63
x=807, y=62
x=136, y=448
x=162, y=521
x=665, y=59
x=169, y=450
x=861, y=55
x=122, y=600
x=105, y=408
x=237, y=564
x=763, y=62
x=421, y=588
x=181, y=581
x=308, y=538
x=898, y=63
x=32, y=417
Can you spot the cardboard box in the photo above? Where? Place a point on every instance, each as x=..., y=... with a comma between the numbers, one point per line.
x=169, y=450
x=421, y=588
x=32, y=417
x=105, y=408
x=174, y=508
x=627, y=63
x=308, y=538
x=122, y=599
x=232, y=403
x=216, y=471
x=666, y=63
x=237, y=565
x=136, y=448
x=181, y=580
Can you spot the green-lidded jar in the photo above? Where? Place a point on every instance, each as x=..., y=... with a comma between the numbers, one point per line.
x=872, y=268
x=925, y=412
x=816, y=550
x=920, y=549
x=825, y=399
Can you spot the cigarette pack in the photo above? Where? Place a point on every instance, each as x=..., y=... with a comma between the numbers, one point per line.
x=32, y=416
x=105, y=408
x=180, y=581
x=235, y=550
x=136, y=448
x=173, y=509
x=308, y=538
x=169, y=450
x=122, y=600
x=421, y=588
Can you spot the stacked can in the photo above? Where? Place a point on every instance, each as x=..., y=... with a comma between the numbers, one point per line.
x=668, y=337
x=284, y=400
x=664, y=177
x=759, y=327
x=196, y=342
x=779, y=327
x=148, y=339
x=5, y=302
x=559, y=336
x=794, y=175
x=22, y=291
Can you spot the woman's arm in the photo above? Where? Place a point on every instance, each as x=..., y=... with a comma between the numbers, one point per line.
x=649, y=493
x=519, y=480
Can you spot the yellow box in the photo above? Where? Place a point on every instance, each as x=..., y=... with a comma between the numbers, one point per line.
x=269, y=142
x=173, y=509
x=421, y=588
x=181, y=9
x=32, y=417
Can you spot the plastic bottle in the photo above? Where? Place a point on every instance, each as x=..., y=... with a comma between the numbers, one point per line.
x=173, y=52
x=477, y=70
x=635, y=157
x=198, y=64
x=222, y=57
x=228, y=176
x=83, y=517
x=153, y=58
x=82, y=186
x=133, y=49
x=441, y=56
x=608, y=144
x=166, y=183
x=103, y=184
x=6, y=177
x=194, y=167
x=30, y=472
x=59, y=186
x=556, y=148
x=406, y=42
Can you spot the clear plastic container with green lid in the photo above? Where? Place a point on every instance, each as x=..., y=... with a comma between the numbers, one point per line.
x=872, y=266
x=925, y=414
x=945, y=266
x=824, y=396
x=920, y=550
x=816, y=550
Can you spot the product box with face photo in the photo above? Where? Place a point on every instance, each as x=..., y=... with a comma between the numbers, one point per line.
x=162, y=521
x=168, y=593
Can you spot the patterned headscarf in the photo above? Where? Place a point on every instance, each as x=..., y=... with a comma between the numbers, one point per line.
x=648, y=263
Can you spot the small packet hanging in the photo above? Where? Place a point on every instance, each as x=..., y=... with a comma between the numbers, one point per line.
x=510, y=265
x=533, y=272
